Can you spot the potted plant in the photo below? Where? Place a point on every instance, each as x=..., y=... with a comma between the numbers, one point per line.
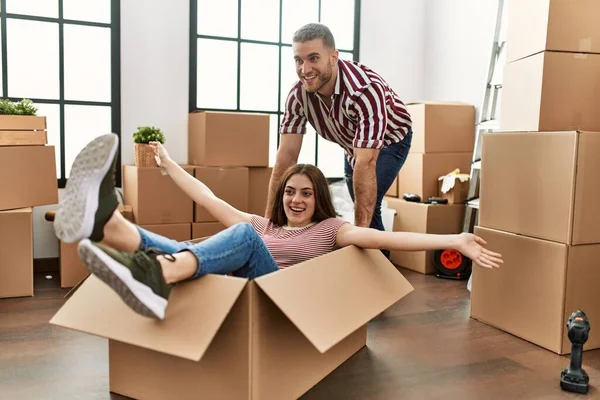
x=144, y=154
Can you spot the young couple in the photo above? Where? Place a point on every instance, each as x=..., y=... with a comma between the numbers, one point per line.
x=142, y=267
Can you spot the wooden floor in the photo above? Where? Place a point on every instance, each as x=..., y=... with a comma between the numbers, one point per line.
x=423, y=347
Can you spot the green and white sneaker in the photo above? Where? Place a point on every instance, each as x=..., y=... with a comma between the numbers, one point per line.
x=136, y=277
x=89, y=199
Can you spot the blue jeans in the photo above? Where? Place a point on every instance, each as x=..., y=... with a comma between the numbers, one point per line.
x=391, y=159
x=238, y=250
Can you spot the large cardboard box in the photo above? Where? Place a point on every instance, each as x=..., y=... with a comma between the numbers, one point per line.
x=227, y=183
x=228, y=139
x=542, y=184
x=178, y=232
x=423, y=218
x=559, y=25
x=27, y=177
x=537, y=288
x=16, y=253
x=273, y=337
x=551, y=91
x=442, y=127
x=156, y=198
x=258, y=189
x=420, y=172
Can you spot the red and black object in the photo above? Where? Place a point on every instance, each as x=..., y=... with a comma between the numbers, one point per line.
x=452, y=264
x=574, y=378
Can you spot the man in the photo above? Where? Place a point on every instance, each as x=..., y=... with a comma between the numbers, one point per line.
x=351, y=105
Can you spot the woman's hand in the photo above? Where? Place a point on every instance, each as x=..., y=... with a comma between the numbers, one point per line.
x=472, y=247
x=160, y=153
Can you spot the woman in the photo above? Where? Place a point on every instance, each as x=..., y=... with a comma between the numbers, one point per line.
x=142, y=267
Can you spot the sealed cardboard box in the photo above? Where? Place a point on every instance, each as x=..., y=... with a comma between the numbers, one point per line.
x=16, y=253
x=228, y=139
x=542, y=184
x=156, y=198
x=557, y=25
x=22, y=130
x=227, y=183
x=204, y=229
x=27, y=176
x=423, y=218
x=442, y=127
x=420, y=172
x=178, y=232
x=258, y=189
x=273, y=337
x=537, y=288
x=551, y=91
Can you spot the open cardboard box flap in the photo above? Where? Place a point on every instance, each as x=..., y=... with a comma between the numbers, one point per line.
x=329, y=297
x=195, y=313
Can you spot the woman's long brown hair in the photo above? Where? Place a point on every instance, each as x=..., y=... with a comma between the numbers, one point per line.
x=323, y=205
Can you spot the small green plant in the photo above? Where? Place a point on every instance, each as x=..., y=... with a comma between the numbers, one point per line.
x=23, y=107
x=147, y=134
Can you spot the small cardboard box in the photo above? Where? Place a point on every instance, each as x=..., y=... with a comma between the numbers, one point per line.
x=178, y=232
x=557, y=25
x=16, y=253
x=156, y=198
x=458, y=192
x=423, y=218
x=273, y=337
x=542, y=184
x=22, y=130
x=442, y=127
x=551, y=91
x=420, y=172
x=27, y=177
x=228, y=139
x=537, y=288
x=227, y=183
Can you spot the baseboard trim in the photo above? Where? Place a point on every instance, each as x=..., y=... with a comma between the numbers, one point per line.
x=50, y=264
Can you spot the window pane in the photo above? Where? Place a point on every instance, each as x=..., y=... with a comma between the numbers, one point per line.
x=218, y=18
x=330, y=158
x=296, y=14
x=52, y=114
x=307, y=154
x=260, y=20
x=32, y=59
x=87, y=10
x=259, y=77
x=346, y=56
x=338, y=15
x=217, y=81
x=41, y=8
x=87, y=63
x=288, y=73
x=82, y=124
x=273, y=133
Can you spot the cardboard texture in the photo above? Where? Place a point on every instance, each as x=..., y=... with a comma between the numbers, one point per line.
x=24, y=183
x=457, y=195
x=204, y=229
x=258, y=188
x=156, y=198
x=228, y=139
x=23, y=138
x=16, y=253
x=178, y=232
x=542, y=184
x=22, y=123
x=420, y=172
x=270, y=338
x=558, y=25
x=227, y=183
x=551, y=91
x=537, y=288
x=423, y=218
x=442, y=127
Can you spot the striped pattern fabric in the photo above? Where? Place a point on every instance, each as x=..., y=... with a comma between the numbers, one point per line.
x=365, y=112
x=290, y=246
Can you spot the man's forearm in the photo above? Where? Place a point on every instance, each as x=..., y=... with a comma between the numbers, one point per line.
x=278, y=171
x=365, y=193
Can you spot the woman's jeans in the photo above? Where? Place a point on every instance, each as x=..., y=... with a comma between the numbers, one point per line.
x=238, y=250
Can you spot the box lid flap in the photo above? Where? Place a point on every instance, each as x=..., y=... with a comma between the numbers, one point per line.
x=195, y=313
x=329, y=297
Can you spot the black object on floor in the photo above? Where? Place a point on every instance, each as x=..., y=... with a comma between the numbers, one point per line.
x=451, y=264
x=574, y=378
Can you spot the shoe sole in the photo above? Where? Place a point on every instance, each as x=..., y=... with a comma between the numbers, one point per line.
x=74, y=219
x=139, y=297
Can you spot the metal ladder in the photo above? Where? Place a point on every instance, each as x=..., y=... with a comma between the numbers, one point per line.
x=487, y=121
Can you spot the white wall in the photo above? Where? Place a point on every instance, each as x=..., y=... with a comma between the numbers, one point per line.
x=154, y=87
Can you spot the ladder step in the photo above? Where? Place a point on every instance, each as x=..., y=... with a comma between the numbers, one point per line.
x=476, y=164
x=473, y=203
x=489, y=124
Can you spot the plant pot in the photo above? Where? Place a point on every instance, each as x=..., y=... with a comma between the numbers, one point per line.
x=144, y=155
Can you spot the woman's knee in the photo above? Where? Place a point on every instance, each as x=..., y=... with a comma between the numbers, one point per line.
x=244, y=229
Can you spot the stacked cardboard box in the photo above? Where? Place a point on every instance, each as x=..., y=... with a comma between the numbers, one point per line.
x=443, y=140
x=539, y=178
x=27, y=178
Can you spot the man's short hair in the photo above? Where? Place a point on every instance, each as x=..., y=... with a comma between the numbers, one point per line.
x=315, y=31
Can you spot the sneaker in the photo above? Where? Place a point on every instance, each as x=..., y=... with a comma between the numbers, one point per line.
x=136, y=277
x=89, y=199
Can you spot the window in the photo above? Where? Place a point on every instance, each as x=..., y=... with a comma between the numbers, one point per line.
x=241, y=60
x=64, y=56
